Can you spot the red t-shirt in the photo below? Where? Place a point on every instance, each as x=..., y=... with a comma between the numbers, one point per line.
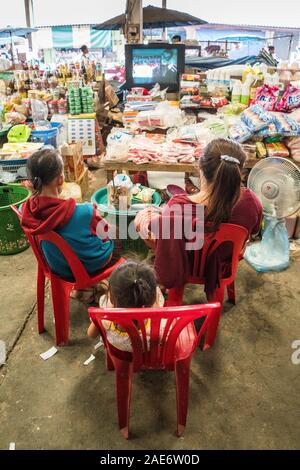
x=173, y=261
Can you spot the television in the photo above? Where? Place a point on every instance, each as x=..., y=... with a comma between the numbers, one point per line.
x=148, y=64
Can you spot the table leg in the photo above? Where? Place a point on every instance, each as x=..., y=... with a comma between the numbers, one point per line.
x=109, y=175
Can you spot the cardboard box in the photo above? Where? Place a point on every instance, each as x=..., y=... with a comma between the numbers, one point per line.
x=83, y=130
x=71, y=190
x=73, y=161
x=83, y=181
x=76, y=189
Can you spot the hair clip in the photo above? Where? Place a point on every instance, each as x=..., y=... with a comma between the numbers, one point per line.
x=230, y=159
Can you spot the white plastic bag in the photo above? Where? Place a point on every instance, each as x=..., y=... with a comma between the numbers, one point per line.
x=273, y=252
x=39, y=110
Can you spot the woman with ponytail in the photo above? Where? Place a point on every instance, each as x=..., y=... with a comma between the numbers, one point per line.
x=223, y=200
x=131, y=285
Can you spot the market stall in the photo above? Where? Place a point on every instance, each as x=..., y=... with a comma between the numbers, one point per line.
x=62, y=108
x=157, y=131
x=257, y=106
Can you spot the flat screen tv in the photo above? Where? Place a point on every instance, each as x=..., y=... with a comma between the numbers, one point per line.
x=149, y=64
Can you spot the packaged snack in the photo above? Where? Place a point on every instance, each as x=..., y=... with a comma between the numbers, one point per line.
x=217, y=127
x=277, y=149
x=293, y=144
x=191, y=77
x=270, y=131
x=233, y=108
x=239, y=131
x=164, y=116
x=256, y=118
x=285, y=125
x=266, y=96
x=219, y=102
x=140, y=91
x=290, y=99
x=295, y=115
x=261, y=151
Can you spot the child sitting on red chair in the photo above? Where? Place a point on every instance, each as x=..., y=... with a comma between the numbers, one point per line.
x=45, y=211
x=131, y=285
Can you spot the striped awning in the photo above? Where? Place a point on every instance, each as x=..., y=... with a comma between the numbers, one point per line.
x=73, y=37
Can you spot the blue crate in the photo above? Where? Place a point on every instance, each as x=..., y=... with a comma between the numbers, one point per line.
x=47, y=136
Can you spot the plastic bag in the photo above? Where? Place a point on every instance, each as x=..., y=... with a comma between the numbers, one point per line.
x=273, y=252
x=256, y=118
x=39, y=110
x=118, y=135
x=6, y=177
x=294, y=147
x=239, y=131
x=164, y=116
x=266, y=96
x=193, y=133
x=216, y=127
x=14, y=118
x=290, y=99
x=118, y=145
x=286, y=126
x=117, y=151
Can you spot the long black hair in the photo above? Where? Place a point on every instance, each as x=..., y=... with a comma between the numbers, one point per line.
x=224, y=178
x=43, y=167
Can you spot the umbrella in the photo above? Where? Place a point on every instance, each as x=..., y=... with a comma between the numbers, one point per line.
x=15, y=39
x=9, y=32
x=154, y=17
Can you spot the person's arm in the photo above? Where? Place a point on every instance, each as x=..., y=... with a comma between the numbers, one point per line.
x=256, y=229
x=93, y=331
x=256, y=215
x=99, y=226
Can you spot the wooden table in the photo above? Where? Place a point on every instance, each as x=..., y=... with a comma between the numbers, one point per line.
x=110, y=167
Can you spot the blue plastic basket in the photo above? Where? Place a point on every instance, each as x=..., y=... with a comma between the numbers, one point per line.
x=47, y=136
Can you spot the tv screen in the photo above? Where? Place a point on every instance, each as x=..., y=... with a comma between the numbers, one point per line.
x=147, y=65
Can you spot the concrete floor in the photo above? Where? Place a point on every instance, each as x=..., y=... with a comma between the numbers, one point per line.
x=244, y=393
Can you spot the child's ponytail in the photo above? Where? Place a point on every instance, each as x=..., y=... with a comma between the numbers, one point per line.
x=43, y=167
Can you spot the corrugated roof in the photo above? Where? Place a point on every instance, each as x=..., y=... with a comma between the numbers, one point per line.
x=63, y=25
x=206, y=26
x=249, y=27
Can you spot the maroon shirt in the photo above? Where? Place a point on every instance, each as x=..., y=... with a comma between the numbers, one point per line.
x=173, y=261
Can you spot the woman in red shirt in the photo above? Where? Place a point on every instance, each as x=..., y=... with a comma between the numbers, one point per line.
x=223, y=200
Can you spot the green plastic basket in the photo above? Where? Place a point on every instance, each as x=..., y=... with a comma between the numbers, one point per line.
x=12, y=238
x=113, y=215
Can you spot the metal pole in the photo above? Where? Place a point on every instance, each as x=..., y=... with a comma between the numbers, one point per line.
x=134, y=17
x=28, y=5
x=290, y=45
x=164, y=5
x=12, y=49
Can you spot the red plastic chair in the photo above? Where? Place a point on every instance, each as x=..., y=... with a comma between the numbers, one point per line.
x=235, y=234
x=169, y=347
x=61, y=288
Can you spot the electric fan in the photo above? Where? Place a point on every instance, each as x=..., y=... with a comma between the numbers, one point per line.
x=276, y=182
